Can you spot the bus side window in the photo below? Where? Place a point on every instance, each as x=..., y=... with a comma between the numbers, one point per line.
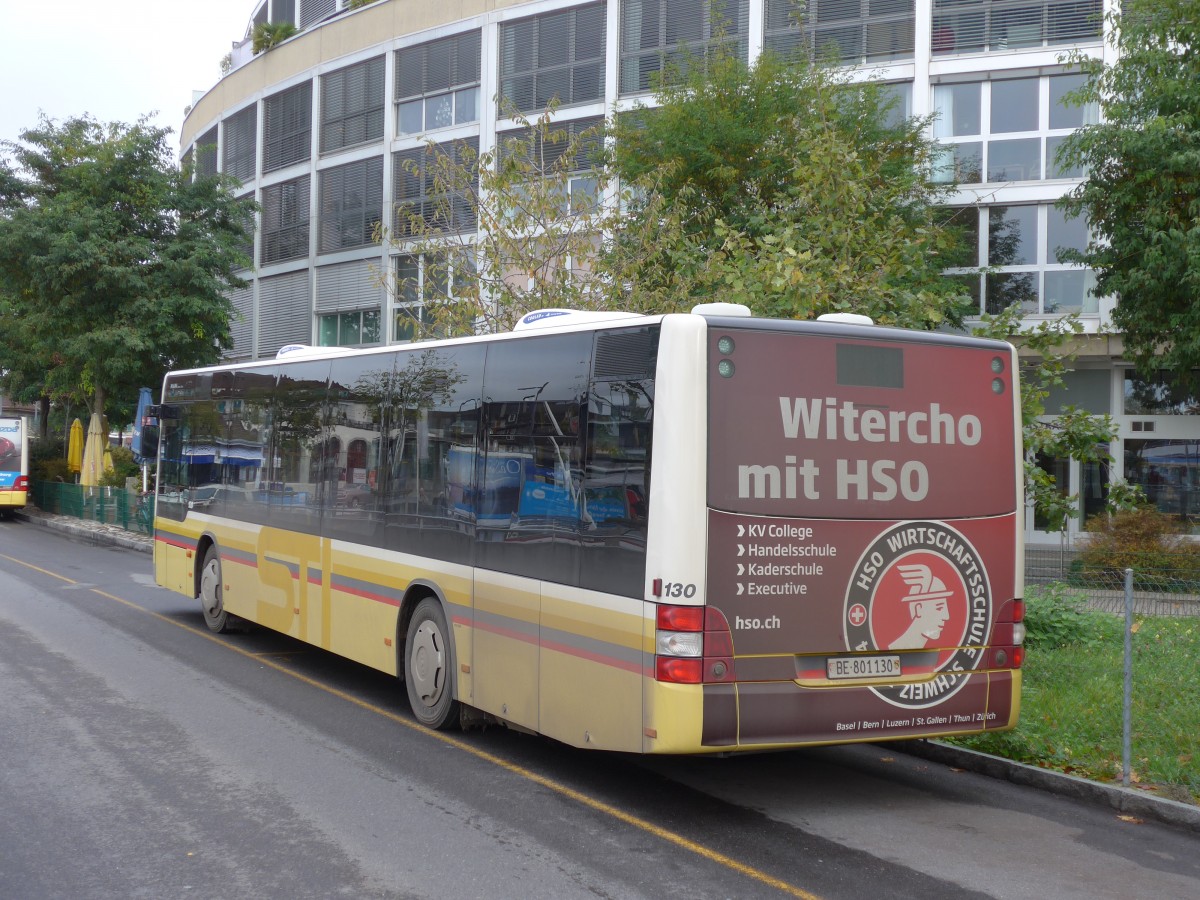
x=616, y=483
x=429, y=497
x=531, y=510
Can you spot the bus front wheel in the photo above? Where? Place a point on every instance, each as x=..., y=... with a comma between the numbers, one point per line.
x=429, y=666
x=216, y=617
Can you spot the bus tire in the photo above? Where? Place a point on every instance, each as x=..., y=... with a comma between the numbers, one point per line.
x=212, y=604
x=429, y=666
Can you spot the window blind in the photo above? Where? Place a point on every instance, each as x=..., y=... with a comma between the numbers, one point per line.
x=241, y=144
x=351, y=204
x=287, y=127
x=352, y=105
x=284, y=230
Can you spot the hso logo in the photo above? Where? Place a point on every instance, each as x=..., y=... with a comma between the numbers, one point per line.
x=920, y=586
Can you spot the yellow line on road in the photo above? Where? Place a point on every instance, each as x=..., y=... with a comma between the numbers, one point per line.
x=550, y=784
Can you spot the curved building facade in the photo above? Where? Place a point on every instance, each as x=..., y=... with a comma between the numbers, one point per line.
x=327, y=132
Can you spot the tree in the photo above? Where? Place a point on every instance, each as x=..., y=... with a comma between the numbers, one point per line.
x=267, y=35
x=801, y=194
x=114, y=264
x=1141, y=194
x=1070, y=433
x=492, y=236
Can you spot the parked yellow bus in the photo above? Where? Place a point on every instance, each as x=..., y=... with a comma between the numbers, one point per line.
x=684, y=533
x=14, y=464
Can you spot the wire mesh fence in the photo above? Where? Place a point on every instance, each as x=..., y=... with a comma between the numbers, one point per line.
x=1165, y=583
x=125, y=508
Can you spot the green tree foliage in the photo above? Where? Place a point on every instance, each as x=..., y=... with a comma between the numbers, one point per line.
x=517, y=229
x=267, y=35
x=1047, y=354
x=1141, y=195
x=114, y=264
x=800, y=193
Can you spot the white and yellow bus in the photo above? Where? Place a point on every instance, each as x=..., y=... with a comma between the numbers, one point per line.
x=690, y=533
x=14, y=464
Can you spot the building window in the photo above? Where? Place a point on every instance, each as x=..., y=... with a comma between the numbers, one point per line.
x=206, y=154
x=582, y=185
x=437, y=84
x=1023, y=248
x=287, y=127
x=283, y=11
x=241, y=144
x=316, y=10
x=422, y=280
x=1007, y=130
x=557, y=57
x=284, y=232
x=975, y=26
x=424, y=187
x=348, y=329
x=351, y=205
x=1059, y=469
x=352, y=105
x=899, y=96
x=1169, y=472
x=854, y=31
x=658, y=35
x=1161, y=395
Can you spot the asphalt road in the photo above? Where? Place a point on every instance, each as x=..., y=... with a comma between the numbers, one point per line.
x=141, y=756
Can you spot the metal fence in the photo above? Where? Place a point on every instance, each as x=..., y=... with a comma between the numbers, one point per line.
x=128, y=509
x=1164, y=583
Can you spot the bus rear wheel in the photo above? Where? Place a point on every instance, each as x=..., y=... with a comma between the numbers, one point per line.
x=429, y=666
x=212, y=604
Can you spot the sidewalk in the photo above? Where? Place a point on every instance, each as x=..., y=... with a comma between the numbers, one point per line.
x=1135, y=802
x=88, y=531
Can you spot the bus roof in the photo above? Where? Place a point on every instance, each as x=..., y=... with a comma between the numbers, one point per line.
x=557, y=321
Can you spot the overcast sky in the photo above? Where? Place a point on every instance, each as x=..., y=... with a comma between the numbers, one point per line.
x=115, y=59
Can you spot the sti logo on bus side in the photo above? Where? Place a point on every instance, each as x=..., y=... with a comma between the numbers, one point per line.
x=816, y=419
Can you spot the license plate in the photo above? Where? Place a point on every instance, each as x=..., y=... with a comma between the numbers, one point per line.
x=863, y=667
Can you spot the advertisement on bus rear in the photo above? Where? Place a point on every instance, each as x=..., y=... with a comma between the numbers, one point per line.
x=12, y=440
x=862, y=517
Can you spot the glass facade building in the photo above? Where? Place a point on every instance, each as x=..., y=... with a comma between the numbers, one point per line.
x=330, y=130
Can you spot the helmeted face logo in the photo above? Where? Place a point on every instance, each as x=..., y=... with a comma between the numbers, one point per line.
x=920, y=586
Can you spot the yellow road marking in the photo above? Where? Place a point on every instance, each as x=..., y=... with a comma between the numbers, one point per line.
x=528, y=774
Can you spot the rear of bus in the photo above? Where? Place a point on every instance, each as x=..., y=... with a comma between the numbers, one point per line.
x=859, y=538
x=14, y=465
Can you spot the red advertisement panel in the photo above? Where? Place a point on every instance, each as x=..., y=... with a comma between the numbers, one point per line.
x=822, y=426
x=862, y=531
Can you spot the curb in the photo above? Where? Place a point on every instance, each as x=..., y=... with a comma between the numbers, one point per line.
x=88, y=535
x=1127, y=801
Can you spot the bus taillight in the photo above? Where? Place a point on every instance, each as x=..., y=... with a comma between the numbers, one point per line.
x=1010, y=637
x=22, y=483
x=692, y=645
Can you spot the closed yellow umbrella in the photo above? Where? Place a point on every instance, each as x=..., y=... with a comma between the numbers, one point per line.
x=93, y=453
x=75, y=448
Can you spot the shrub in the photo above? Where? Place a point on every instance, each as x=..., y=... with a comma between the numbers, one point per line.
x=47, y=461
x=267, y=34
x=123, y=467
x=1145, y=540
x=1057, y=617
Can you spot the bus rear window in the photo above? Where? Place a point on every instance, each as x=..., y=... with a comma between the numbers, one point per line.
x=861, y=365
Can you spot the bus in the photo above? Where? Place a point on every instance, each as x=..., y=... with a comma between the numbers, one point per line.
x=691, y=533
x=14, y=465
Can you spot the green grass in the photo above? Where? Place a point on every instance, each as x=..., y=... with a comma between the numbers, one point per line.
x=1071, y=706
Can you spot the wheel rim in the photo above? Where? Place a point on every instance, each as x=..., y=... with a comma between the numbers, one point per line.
x=428, y=664
x=210, y=588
